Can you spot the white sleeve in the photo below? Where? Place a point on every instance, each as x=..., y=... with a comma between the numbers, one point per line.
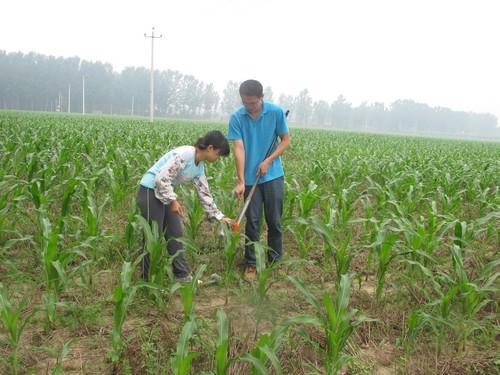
x=206, y=199
x=164, y=190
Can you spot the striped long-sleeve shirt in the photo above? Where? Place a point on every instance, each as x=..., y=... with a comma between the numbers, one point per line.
x=176, y=167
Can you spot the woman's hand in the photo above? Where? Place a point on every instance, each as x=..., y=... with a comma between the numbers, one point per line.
x=176, y=208
x=227, y=220
x=231, y=223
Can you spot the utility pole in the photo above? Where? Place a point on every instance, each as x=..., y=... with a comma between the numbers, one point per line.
x=132, y=112
x=59, y=100
x=83, y=95
x=151, y=78
x=69, y=98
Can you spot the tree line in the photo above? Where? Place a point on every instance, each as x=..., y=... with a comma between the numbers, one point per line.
x=39, y=82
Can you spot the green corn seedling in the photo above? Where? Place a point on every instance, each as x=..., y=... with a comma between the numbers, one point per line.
x=68, y=193
x=13, y=323
x=60, y=356
x=299, y=228
x=263, y=275
x=384, y=248
x=130, y=229
x=345, y=205
x=181, y=361
x=225, y=200
x=93, y=215
x=471, y=297
x=117, y=188
x=439, y=319
x=158, y=262
x=194, y=212
x=36, y=193
x=4, y=208
x=341, y=254
x=231, y=240
x=54, y=263
x=188, y=292
x=123, y=296
x=266, y=350
x=458, y=304
x=222, y=361
x=335, y=319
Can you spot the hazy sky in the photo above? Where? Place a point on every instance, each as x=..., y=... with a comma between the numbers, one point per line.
x=440, y=52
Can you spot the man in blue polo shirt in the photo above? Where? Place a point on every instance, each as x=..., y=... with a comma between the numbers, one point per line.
x=253, y=128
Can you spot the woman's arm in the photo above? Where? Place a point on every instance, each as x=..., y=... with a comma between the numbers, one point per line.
x=206, y=199
x=164, y=190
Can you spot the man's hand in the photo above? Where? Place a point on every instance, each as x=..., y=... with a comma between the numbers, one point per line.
x=239, y=190
x=263, y=167
x=176, y=208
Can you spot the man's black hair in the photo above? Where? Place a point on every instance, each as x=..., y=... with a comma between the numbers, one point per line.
x=251, y=87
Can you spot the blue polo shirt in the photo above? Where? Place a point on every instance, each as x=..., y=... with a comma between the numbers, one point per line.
x=257, y=136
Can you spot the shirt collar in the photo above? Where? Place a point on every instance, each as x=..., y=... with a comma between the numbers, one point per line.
x=265, y=109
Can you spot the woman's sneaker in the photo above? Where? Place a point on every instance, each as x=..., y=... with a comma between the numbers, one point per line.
x=185, y=279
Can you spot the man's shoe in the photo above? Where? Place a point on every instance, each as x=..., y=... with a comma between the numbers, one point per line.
x=250, y=273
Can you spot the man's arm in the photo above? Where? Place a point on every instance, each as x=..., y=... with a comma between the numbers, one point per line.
x=239, y=156
x=285, y=142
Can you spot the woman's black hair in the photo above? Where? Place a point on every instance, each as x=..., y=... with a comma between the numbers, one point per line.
x=216, y=139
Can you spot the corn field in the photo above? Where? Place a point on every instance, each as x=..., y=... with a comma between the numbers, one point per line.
x=391, y=262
